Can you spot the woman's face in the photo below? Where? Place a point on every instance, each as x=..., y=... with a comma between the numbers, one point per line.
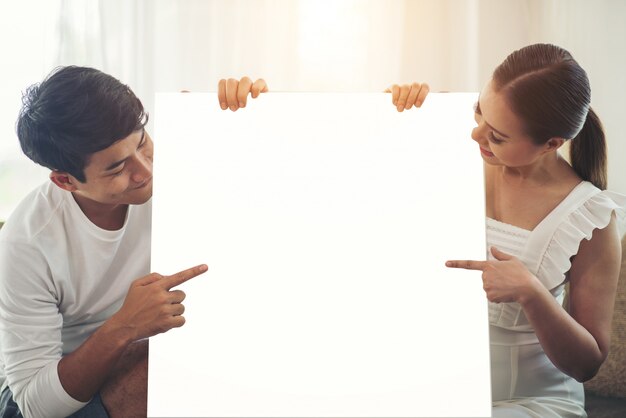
x=499, y=132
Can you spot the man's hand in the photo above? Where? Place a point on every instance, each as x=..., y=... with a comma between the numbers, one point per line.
x=151, y=307
x=408, y=95
x=505, y=279
x=233, y=94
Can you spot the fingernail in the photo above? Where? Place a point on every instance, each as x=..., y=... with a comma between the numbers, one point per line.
x=241, y=104
x=233, y=108
x=448, y=264
x=204, y=268
x=223, y=106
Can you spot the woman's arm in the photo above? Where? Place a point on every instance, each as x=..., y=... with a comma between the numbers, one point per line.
x=578, y=342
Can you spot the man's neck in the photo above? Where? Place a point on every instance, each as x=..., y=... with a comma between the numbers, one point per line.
x=105, y=216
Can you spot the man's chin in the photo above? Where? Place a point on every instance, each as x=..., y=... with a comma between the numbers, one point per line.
x=143, y=197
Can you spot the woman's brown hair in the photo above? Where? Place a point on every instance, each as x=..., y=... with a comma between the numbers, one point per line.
x=550, y=92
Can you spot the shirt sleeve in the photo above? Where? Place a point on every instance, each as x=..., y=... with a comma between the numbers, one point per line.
x=30, y=333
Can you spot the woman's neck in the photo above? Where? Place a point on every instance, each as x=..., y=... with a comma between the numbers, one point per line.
x=548, y=169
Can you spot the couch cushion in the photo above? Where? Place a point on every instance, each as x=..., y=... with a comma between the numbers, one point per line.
x=601, y=407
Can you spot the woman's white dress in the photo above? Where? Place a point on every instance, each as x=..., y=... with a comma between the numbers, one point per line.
x=524, y=381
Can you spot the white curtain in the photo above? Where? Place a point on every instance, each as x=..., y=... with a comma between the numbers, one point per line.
x=28, y=43
x=318, y=45
x=305, y=45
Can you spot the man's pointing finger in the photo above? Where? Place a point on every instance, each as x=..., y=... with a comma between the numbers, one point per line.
x=182, y=276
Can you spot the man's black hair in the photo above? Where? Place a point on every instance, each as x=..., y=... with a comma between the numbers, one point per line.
x=73, y=113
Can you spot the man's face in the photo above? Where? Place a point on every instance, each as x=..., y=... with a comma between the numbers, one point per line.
x=119, y=174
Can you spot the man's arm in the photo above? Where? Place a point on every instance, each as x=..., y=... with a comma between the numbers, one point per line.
x=30, y=333
x=150, y=308
x=43, y=383
x=125, y=392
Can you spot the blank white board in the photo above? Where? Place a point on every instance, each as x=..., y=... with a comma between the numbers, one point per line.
x=325, y=220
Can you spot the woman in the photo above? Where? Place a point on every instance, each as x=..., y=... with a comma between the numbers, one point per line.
x=548, y=223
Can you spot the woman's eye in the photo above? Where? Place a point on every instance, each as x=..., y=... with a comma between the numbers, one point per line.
x=118, y=173
x=494, y=139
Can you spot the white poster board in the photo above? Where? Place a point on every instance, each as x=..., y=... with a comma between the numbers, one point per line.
x=325, y=220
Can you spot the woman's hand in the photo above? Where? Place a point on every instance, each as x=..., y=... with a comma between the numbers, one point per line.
x=505, y=279
x=233, y=94
x=408, y=95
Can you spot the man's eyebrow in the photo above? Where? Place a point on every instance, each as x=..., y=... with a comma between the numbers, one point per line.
x=120, y=162
x=115, y=164
x=492, y=128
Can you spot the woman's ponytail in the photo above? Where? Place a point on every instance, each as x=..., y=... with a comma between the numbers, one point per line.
x=550, y=93
x=588, y=152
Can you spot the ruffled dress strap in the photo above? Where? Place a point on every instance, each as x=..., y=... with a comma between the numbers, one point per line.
x=557, y=238
x=548, y=249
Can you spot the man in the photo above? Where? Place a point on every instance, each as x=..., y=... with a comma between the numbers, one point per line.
x=76, y=300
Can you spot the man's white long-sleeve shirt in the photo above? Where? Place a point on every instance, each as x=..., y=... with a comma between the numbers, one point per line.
x=61, y=277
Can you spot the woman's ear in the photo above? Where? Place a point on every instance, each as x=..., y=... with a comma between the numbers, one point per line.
x=64, y=180
x=554, y=143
